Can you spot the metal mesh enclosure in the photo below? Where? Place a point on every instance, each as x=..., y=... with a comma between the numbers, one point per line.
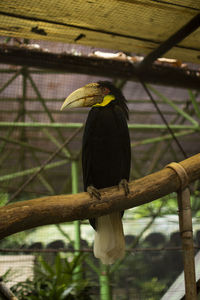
x=49, y=49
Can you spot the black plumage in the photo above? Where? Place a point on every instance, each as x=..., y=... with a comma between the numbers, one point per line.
x=106, y=157
x=106, y=150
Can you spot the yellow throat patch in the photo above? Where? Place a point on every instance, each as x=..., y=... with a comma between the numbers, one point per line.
x=106, y=100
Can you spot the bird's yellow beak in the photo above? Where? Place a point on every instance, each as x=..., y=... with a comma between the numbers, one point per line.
x=86, y=96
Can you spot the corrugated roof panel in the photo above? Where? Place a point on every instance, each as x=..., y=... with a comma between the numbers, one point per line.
x=129, y=26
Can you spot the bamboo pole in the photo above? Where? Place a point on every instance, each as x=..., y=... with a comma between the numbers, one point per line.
x=77, y=227
x=49, y=114
x=160, y=149
x=40, y=125
x=10, y=81
x=62, y=208
x=138, y=101
x=27, y=145
x=194, y=103
x=78, y=125
x=174, y=106
x=185, y=224
x=42, y=177
x=48, y=160
x=83, y=112
x=105, y=291
x=42, y=101
x=32, y=170
x=186, y=232
x=161, y=138
x=22, y=111
x=154, y=163
x=9, y=133
x=52, y=138
x=74, y=176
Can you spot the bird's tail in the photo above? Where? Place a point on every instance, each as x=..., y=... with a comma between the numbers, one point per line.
x=109, y=243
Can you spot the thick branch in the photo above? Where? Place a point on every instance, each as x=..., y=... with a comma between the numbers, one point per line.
x=56, y=209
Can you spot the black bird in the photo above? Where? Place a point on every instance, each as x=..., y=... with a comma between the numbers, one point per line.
x=106, y=158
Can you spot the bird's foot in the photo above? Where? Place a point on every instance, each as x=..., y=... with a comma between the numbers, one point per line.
x=93, y=192
x=124, y=185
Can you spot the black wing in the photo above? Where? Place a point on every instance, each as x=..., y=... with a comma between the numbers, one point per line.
x=106, y=154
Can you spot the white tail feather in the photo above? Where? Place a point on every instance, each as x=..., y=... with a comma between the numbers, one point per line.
x=109, y=243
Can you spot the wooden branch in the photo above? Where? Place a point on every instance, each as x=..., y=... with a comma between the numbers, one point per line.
x=64, y=208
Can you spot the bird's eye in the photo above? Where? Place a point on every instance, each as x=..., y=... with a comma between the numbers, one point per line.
x=106, y=90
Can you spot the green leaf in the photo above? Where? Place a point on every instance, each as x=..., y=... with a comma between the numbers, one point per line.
x=3, y=198
x=58, y=265
x=66, y=292
x=46, y=267
x=53, y=282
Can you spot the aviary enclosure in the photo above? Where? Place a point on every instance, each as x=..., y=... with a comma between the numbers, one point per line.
x=150, y=50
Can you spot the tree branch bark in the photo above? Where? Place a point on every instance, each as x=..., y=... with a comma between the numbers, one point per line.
x=64, y=208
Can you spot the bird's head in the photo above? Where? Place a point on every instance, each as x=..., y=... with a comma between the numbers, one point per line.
x=96, y=94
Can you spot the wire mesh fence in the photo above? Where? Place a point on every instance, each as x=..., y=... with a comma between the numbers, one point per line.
x=32, y=128
x=148, y=270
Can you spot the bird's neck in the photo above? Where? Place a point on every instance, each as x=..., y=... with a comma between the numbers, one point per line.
x=106, y=100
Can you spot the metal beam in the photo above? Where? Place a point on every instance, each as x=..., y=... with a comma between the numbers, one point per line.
x=157, y=74
x=173, y=40
x=78, y=125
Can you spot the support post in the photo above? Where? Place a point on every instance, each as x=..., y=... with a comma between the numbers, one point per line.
x=79, y=125
x=10, y=81
x=105, y=292
x=77, y=240
x=22, y=110
x=185, y=224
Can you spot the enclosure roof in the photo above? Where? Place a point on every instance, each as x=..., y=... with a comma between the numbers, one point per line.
x=130, y=26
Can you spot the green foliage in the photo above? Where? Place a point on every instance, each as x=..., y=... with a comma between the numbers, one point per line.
x=14, y=241
x=55, y=282
x=195, y=204
x=169, y=206
x=3, y=198
x=152, y=287
x=9, y=275
x=140, y=276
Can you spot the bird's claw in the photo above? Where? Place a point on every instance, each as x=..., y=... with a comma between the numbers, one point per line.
x=93, y=192
x=124, y=184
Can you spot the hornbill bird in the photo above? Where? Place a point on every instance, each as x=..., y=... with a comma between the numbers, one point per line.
x=106, y=158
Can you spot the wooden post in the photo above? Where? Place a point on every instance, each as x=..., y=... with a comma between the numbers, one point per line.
x=185, y=225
